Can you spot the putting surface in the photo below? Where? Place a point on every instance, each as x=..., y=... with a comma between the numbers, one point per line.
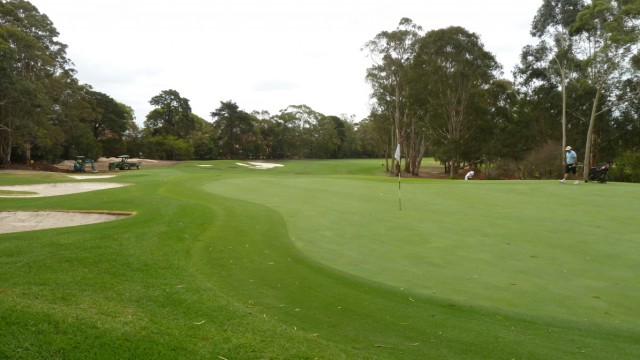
x=531, y=247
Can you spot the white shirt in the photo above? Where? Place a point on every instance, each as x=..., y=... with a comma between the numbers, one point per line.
x=469, y=175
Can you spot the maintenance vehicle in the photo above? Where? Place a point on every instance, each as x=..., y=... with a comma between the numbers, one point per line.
x=124, y=163
x=80, y=165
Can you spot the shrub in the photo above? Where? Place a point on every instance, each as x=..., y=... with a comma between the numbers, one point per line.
x=544, y=162
x=626, y=168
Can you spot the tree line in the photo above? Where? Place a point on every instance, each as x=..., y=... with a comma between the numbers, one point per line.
x=441, y=92
x=438, y=93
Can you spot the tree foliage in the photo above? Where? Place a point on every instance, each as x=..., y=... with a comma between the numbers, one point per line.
x=453, y=74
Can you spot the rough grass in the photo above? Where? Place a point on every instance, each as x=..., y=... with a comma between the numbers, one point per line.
x=314, y=260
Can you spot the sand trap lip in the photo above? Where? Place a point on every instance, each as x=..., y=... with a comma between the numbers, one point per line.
x=56, y=189
x=18, y=221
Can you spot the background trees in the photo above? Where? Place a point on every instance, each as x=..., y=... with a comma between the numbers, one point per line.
x=32, y=59
x=438, y=93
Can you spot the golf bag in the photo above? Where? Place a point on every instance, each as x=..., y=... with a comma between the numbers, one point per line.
x=599, y=173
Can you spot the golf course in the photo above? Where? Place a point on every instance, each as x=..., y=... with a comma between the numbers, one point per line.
x=325, y=259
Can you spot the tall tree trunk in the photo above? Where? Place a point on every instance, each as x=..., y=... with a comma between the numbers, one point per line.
x=6, y=142
x=564, y=118
x=587, y=148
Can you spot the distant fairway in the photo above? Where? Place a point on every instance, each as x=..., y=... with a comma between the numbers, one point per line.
x=315, y=260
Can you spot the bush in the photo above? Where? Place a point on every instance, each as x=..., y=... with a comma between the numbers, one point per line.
x=626, y=168
x=503, y=169
x=544, y=163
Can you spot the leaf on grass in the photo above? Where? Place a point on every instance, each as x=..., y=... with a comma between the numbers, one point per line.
x=199, y=323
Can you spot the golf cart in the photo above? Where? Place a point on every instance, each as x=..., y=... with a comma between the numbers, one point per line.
x=80, y=165
x=124, y=163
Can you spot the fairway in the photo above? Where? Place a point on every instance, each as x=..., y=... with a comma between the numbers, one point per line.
x=315, y=259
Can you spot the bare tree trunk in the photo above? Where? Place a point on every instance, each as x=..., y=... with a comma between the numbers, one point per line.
x=27, y=152
x=5, y=148
x=564, y=118
x=587, y=148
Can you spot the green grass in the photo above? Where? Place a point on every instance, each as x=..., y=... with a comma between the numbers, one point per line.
x=315, y=260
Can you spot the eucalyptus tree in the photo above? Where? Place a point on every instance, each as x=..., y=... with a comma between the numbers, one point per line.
x=303, y=121
x=451, y=75
x=32, y=57
x=608, y=33
x=391, y=52
x=553, y=55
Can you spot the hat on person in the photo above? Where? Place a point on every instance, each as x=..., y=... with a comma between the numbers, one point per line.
x=567, y=148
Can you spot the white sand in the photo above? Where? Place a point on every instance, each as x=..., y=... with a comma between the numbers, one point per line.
x=17, y=221
x=55, y=189
x=260, y=165
x=84, y=177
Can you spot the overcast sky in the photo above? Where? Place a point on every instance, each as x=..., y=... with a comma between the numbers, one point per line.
x=261, y=54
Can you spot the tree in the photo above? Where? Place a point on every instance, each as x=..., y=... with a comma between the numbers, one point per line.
x=392, y=52
x=172, y=115
x=302, y=122
x=373, y=133
x=451, y=74
x=235, y=129
x=608, y=33
x=551, y=26
x=111, y=118
x=31, y=59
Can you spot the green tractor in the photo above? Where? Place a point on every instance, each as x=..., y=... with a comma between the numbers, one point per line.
x=81, y=165
x=124, y=163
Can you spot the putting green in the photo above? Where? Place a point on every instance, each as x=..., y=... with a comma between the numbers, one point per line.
x=531, y=247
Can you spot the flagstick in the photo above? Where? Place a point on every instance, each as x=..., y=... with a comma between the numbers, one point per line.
x=399, y=193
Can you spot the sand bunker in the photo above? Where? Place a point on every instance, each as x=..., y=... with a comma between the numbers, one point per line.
x=55, y=189
x=17, y=221
x=259, y=165
x=84, y=177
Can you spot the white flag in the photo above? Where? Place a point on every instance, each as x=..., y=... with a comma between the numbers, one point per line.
x=397, y=155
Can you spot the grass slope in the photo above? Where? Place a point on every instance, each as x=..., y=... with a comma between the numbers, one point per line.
x=314, y=260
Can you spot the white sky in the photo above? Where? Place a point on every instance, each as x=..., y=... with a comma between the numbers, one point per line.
x=261, y=54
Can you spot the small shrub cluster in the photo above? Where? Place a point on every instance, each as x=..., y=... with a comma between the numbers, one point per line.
x=503, y=169
x=543, y=163
x=626, y=168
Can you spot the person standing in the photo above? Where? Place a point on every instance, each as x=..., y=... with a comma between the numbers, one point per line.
x=571, y=165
